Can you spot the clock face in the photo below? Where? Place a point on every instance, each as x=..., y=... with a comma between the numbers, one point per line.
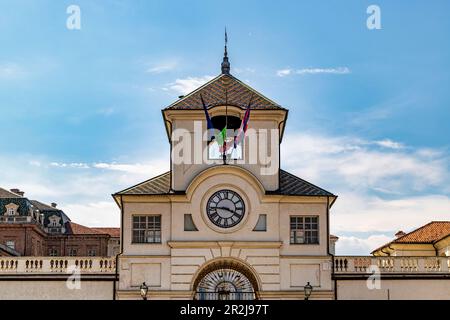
x=225, y=208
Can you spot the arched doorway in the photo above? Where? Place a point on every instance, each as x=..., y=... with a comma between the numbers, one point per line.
x=226, y=280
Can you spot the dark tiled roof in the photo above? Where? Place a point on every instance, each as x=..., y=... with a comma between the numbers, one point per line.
x=157, y=185
x=213, y=92
x=294, y=186
x=289, y=185
x=8, y=194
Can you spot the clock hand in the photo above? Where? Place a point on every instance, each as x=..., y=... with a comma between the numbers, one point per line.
x=227, y=209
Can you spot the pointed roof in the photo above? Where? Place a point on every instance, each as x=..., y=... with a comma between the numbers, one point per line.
x=225, y=63
x=213, y=92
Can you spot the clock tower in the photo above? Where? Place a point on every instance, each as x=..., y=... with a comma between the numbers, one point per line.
x=225, y=222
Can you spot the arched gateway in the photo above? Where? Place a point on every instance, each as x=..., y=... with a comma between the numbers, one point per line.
x=225, y=280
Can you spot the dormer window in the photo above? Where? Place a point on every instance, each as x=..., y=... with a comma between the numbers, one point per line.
x=54, y=221
x=11, y=211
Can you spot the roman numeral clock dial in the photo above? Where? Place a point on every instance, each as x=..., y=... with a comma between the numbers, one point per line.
x=225, y=208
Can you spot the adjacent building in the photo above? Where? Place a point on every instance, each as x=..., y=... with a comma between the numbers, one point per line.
x=432, y=239
x=32, y=228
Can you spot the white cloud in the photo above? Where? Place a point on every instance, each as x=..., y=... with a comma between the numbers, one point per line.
x=353, y=163
x=338, y=70
x=387, y=143
x=163, y=67
x=93, y=214
x=189, y=84
x=70, y=165
x=360, y=212
x=150, y=169
x=380, y=189
x=350, y=245
x=85, y=195
x=11, y=71
x=283, y=72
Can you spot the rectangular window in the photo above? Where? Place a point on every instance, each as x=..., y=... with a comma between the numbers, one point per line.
x=72, y=252
x=92, y=253
x=304, y=230
x=52, y=252
x=11, y=244
x=147, y=229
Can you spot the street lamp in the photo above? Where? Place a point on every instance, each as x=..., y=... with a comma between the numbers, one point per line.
x=144, y=290
x=308, y=290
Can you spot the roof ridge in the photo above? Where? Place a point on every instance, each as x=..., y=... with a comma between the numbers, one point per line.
x=12, y=193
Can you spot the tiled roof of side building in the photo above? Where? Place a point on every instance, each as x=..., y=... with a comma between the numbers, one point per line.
x=113, y=232
x=289, y=185
x=224, y=89
x=75, y=228
x=429, y=233
x=6, y=194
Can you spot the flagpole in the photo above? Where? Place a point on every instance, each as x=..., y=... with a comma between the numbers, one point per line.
x=224, y=156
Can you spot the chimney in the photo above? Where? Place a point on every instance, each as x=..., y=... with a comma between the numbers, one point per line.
x=53, y=205
x=17, y=191
x=399, y=234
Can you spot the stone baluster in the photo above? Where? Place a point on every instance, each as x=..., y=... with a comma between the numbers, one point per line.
x=445, y=264
x=423, y=265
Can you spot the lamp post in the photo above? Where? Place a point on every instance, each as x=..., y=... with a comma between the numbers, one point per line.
x=308, y=290
x=144, y=290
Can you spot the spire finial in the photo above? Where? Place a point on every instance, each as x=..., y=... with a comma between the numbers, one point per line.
x=225, y=62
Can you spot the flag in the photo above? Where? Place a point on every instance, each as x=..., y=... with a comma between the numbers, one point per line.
x=222, y=140
x=209, y=123
x=241, y=133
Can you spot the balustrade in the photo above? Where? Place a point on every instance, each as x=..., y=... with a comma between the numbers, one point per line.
x=57, y=264
x=359, y=264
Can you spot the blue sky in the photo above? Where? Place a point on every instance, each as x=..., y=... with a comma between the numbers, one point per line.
x=80, y=109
